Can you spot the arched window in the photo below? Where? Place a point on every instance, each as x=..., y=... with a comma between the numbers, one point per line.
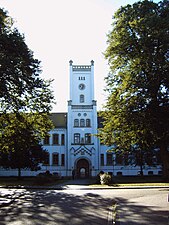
x=76, y=123
x=76, y=138
x=81, y=98
x=55, y=139
x=82, y=122
x=87, y=138
x=87, y=122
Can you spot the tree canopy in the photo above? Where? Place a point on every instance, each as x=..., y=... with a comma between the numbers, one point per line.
x=25, y=100
x=21, y=137
x=21, y=87
x=137, y=107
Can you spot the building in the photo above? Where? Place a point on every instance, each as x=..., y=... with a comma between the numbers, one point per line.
x=72, y=144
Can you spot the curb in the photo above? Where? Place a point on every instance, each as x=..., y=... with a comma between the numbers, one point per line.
x=63, y=187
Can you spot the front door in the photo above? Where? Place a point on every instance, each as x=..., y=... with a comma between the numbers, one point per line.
x=82, y=168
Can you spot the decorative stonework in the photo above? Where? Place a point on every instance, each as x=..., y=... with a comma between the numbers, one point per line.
x=81, y=68
x=82, y=106
x=69, y=102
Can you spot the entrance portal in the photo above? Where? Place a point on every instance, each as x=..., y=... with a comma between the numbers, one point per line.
x=82, y=168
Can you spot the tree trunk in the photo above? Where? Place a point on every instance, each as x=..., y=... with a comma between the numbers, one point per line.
x=19, y=173
x=165, y=161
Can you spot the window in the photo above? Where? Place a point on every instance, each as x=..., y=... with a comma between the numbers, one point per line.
x=81, y=98
x=62, y=139
x=81, y=78
x=109, y=159
x=102, y=159
x=46, y=160
x=119, y=159
x=62, y=159
x=76, y=123
x=46, y=140
x=55, y=159
x=87, y=122
x=87, y=138
x=76, y=138
x=82, y=122
x=55, y=139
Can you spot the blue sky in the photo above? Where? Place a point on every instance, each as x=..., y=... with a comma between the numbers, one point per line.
x=60, y=30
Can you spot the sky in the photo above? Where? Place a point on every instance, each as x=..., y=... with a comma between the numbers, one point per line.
x=58, y=31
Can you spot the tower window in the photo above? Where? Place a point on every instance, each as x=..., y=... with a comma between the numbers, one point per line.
x=77, y=138
x=87, y=122
x=81, y=78
x=82, y=122
x=87, y=138
x=76, y=123
x=81, y=98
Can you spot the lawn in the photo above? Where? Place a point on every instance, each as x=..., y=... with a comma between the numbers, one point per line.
x=27, y=181
x=118, y=181
x=121, y=181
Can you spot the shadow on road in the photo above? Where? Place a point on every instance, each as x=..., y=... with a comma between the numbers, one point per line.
x=53, y=207
x=50, y=207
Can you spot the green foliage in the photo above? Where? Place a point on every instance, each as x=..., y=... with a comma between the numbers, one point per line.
x=21, y=88
x=19, y=140
x=105, y=178
x=137, y=108
x=25, y=101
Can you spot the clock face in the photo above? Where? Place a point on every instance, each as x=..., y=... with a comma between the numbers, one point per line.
x=81, y=86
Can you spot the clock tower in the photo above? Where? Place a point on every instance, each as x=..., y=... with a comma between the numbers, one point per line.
x=82, y=155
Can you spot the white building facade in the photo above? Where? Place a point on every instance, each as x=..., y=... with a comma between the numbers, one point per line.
x=72, y=144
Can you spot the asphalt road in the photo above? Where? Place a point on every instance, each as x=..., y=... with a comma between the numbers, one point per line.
x=76, y=205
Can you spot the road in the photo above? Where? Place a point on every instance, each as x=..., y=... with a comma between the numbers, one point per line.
x=77, y=205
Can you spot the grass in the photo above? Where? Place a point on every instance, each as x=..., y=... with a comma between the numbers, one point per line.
x=26, y=181
x=122, y=181
x=117, y=181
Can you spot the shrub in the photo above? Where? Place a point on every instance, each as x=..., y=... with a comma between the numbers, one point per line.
x=105, y=178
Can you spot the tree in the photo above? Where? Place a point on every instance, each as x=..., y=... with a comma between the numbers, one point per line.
x=21, y=136
x=137, y=107
x=25, y=100
x=21, y=87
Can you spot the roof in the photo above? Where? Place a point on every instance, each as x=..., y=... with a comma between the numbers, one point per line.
x=59, y=119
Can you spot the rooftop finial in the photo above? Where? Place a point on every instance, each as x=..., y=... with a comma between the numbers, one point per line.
x=70, y=62
x=92, y=62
